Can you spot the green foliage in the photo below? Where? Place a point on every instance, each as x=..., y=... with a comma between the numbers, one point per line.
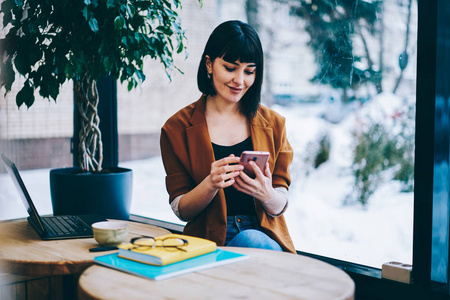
x=331, y=26
x=317, y=152
x=323, y=154
x=381, y=149
x=374, y=153
x=51, y=41
x=406, y=141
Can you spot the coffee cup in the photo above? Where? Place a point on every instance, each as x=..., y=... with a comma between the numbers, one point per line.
x=110, y=233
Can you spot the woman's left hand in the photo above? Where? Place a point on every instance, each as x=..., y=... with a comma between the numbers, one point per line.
x=260, y=187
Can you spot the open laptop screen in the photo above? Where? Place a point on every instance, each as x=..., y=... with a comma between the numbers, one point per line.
x=26, y=199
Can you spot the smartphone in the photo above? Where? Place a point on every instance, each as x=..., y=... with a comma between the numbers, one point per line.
x=259, y=157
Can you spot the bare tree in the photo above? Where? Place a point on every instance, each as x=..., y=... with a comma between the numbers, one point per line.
x=404, y=56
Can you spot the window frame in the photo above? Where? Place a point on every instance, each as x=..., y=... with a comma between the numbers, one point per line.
x=425, y=130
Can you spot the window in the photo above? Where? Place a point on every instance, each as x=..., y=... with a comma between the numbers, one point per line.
x=340, y=196
x=36, y=139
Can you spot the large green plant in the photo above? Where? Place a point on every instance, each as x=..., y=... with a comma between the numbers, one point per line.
x=52, y=41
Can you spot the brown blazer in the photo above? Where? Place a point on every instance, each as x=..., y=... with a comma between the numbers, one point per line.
x=187, y=155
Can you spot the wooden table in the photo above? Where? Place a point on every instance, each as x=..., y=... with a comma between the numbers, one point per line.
x=265, y=275
x=23, y=253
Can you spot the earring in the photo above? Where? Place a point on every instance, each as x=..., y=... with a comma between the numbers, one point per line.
x=209, y=76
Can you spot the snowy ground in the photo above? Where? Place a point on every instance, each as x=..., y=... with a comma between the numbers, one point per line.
x=318, y=219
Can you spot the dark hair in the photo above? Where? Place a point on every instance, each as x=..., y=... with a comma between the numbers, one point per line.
x=232, y=41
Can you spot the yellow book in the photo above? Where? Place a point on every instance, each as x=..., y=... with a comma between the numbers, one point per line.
x=185, y=247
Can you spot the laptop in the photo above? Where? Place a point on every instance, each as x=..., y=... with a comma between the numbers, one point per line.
x=51, y=227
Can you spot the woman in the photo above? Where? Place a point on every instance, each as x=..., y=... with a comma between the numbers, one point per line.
x=202, y=142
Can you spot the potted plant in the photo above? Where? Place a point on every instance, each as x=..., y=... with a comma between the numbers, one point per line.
x=50, y=42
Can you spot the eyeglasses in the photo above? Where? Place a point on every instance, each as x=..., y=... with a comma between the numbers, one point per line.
x=144, y=243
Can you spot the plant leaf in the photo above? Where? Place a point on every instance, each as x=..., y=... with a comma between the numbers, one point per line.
x=119, y=23
x=110, y=3
x=25, y=95
x=140, y=75
x=93, y=24
x=7, y=74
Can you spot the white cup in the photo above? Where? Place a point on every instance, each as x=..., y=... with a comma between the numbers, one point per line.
x=110, y=233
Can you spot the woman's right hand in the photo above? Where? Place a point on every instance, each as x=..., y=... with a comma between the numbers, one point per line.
x=223, y=171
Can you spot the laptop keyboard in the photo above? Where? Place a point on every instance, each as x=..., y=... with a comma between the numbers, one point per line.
x=64, y=225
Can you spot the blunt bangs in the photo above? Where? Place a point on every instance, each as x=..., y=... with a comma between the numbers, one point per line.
x=241, y=49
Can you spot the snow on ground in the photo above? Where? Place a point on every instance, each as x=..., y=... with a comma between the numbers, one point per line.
x=319, y=218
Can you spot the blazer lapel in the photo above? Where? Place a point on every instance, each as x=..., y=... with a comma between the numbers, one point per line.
x=201, y=154
x=262, y=137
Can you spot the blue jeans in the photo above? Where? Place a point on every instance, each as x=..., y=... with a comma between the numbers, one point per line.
x=245, y=231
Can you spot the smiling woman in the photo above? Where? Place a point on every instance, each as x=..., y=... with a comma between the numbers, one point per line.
x=206, y=185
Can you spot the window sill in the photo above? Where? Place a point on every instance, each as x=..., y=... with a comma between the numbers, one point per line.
x=370, y=285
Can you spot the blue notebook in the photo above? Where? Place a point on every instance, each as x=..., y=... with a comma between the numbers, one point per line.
x=210, y=260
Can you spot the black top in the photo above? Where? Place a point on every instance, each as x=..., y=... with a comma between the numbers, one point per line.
x=238, y=203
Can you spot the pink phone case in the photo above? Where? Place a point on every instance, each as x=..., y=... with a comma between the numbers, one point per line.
x=259, y=157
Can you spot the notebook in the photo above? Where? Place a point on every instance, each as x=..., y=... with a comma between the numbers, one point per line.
x=217, y=258
x=51, y=227
x=161, y=256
